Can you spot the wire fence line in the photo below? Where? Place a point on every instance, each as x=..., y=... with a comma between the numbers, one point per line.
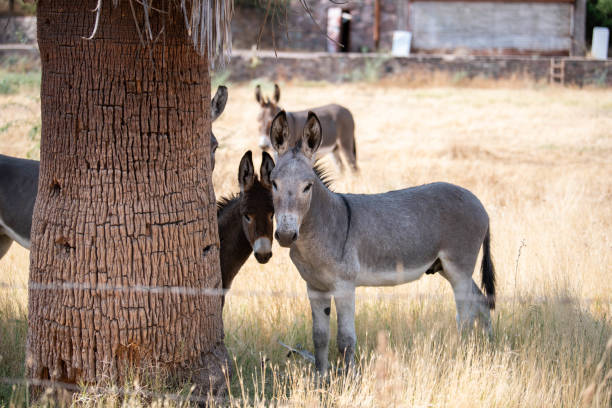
x=216, y=292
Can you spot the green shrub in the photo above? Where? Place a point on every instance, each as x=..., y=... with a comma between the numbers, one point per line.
x=599, y=14
x=10, y=82
x=7, y=87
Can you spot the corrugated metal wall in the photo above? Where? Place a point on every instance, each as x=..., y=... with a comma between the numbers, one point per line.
x=491, y=26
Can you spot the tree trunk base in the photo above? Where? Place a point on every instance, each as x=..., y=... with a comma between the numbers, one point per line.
x=211, y=379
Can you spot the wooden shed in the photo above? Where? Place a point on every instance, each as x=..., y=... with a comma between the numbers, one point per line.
x=541, y=27
x=528, y=27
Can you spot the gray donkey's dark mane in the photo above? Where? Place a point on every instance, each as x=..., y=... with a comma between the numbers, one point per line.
x=323, y=175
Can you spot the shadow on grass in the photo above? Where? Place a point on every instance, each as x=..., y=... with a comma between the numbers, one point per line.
x=558, y=334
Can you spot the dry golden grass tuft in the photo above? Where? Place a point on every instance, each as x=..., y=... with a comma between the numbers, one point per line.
x=539, y=158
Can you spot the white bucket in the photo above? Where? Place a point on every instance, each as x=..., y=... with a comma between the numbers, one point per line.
x=401, y=43
x=601, y=38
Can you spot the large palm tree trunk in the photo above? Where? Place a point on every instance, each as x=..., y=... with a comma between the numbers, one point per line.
x=125, y=201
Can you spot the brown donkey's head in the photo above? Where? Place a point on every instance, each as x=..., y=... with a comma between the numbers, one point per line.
x=256, y=207
x=269, y=109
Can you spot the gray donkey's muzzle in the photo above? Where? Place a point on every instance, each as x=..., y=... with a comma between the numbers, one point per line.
x=287, y=229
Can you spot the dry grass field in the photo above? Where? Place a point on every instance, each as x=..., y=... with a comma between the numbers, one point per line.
x=540, y=160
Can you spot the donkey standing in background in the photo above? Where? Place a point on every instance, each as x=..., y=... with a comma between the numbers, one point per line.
x=337, y=123
x=341, y=241
x=19, y=187
x=246, y=220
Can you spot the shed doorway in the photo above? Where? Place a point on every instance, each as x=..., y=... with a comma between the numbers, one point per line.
x=345, y=31
x=338, y=29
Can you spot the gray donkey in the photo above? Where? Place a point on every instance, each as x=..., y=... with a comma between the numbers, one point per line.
x=341, y=241
x=337, y=122
x=19, y=187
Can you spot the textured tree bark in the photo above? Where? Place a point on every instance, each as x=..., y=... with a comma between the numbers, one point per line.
x=125, y=202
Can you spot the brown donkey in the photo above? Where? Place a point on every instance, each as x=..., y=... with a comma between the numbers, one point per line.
x=246, y=220
x=336, y=121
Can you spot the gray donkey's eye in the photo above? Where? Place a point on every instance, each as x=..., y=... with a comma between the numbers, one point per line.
x=307, y=187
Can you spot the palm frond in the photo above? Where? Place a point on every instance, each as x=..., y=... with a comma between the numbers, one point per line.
x=207, y=22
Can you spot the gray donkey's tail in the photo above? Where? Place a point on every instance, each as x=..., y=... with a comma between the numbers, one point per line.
x=488, y=271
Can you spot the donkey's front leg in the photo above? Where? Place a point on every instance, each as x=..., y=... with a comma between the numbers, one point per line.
x=320, y=305
x=345, y=308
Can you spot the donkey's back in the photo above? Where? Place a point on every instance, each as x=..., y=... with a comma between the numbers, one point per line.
x=403, y=232
x=18, y=188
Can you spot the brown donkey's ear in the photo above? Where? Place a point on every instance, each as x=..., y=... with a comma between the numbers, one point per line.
x=246, y=172
x=217, y=105
x=311, y=139
x=276, y=93
x=213, y=148
x=258, y=96
x=279, y=133
x=267, y=165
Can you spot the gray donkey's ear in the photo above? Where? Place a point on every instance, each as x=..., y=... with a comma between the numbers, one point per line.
x=276, y=93
x=217, y=105
x=246, y=172
x=267, y=165
x=279, y=133
x=311, y=139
